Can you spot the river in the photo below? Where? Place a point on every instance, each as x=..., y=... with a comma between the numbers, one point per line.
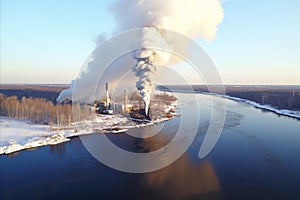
x=256, y=157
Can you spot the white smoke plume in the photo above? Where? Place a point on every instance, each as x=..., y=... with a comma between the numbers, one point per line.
x=66, y=94
x=145, y=70
x=194, y=18
x=146, y=60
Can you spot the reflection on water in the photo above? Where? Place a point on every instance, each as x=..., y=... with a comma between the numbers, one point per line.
x=260, y=146
x=13, y=154
x=232, y=119
x=256, y=157
x=183, y=180
x=58, y=149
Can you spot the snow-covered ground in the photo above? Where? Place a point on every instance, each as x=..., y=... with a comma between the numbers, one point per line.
x=289, y=113
x=16, y=135
x=284, y=112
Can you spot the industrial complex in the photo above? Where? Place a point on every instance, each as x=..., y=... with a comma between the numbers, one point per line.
x=132, y=106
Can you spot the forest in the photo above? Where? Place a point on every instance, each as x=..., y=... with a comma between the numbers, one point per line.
x=38, y=110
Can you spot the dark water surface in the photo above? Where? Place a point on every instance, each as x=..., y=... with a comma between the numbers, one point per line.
x=256, y=157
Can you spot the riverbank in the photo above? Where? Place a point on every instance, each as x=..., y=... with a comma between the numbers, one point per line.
x=281, y=100
x=17, y=135
x=284, y=112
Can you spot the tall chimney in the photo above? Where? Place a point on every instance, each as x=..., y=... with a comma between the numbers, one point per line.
x=106, y=99
x=293, y=93
x=125, y=100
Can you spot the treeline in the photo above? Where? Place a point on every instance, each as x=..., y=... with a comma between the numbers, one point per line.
x=165, y=97
x=39, y=110
x=49, y=95
x=281, y=100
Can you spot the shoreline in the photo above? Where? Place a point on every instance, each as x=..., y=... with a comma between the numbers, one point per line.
x=26, y=135
x=44, y=135
x=61, y=136
x=282, y=112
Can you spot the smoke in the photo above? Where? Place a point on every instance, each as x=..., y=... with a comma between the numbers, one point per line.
x=145, y=70
x=194, y=18
x=66, y=94
x=146, y=60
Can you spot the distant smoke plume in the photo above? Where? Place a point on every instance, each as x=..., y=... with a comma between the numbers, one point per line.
x=194, y=18
x=66, y=94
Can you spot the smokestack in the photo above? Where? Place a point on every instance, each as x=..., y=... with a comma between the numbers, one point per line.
x=106, y=99
x=125, y=100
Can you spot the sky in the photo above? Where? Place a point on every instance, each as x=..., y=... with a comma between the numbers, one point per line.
x=48, y=41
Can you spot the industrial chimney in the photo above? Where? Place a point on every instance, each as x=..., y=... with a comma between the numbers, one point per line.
x=106, y=98
x=125, y=100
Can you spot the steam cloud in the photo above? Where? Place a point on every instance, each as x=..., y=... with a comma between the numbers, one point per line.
x=146, y=59
x=145, y=70
x=194, y=18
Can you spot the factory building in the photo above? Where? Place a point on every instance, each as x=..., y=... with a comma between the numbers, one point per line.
x=104, y=107
x=108, y=107
x=159, y=106
x=122, y=108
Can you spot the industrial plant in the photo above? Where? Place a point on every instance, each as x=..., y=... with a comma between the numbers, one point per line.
x=161, y=106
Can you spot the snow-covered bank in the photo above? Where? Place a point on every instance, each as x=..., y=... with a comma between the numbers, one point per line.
x=289, y=113
x=16, y=135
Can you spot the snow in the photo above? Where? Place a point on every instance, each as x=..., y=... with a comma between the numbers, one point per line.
x=285, y=112
x=16, y=135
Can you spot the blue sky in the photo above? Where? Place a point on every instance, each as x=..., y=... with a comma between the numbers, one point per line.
x=47, y=41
